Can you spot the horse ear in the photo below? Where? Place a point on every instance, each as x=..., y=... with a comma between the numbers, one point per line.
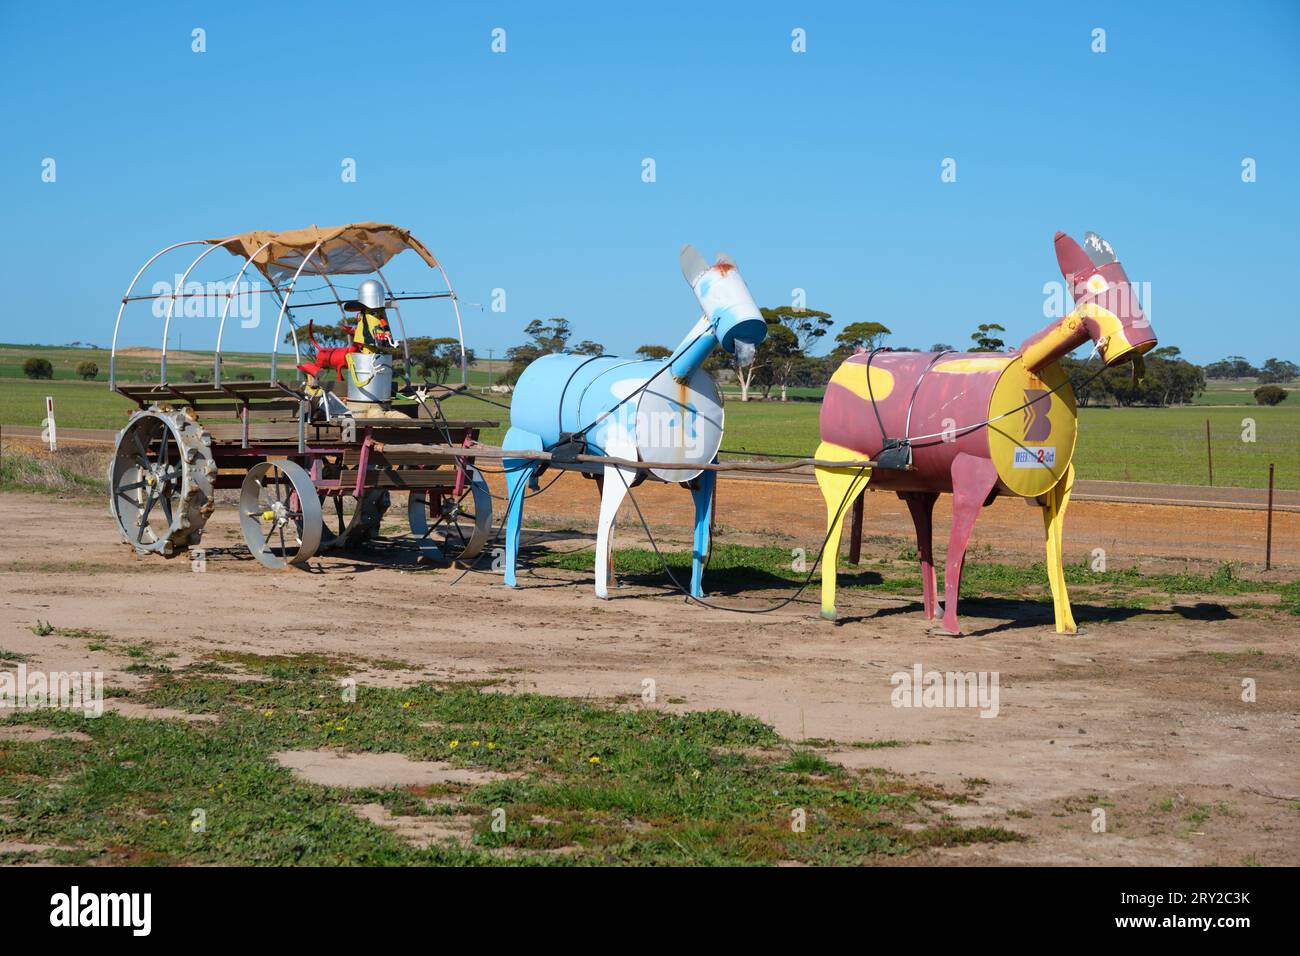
x=694, y=265
x=1099, y=250
x=1074, y=262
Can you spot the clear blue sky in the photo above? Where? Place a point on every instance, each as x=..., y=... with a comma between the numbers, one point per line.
x=522, y=170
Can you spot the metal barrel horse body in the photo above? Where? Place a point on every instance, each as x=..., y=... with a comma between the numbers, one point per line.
x=667, y=412
x=976, y=425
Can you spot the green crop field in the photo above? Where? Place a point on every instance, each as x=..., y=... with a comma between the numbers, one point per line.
x=1234, y=392
x=76, y=404
x=1117, y=444
x=132, y=364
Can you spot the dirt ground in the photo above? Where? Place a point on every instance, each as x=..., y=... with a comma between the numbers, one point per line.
x=1139, y=716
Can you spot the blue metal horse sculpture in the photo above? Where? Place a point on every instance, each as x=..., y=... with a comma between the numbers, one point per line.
x=668, y=413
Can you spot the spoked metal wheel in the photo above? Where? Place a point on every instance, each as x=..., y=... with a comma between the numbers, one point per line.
x=350, y=523
x=280, y=514
x=160, y=481
x=452, y=527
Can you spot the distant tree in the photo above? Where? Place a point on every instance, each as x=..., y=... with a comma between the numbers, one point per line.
x=1270, y=394
x=748, y=364
x=438, y=358
x=547, y=337
x=807, y=327
x=651, y=352
x=588, y=347
x=88, y=371
x=775, y=358
x=38, y=368
x=859, y=335
x=189, y=375
x=434, y=358
x=1278, y=370
x=816, y=372
x=942, y=347
x=329, y=336
x=745, y=364
x=1234, y=366
x=244, y=377
x=985, y=340
x=1169, y=380
x=551, y=335
x=1086, y=387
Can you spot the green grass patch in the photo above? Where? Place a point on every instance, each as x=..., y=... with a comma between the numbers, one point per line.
x=876, y=744
x=606, y=784
x=804, y=760
x=289, y=667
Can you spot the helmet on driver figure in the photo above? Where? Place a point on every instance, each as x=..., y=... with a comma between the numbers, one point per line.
x=371, y=294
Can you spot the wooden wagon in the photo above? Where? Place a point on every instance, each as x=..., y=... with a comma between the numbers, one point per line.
x=313, y=472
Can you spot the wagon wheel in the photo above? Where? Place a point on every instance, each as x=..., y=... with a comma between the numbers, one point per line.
x=351, y=523
x=451, y=527
x=160, y=481
x=280, y=514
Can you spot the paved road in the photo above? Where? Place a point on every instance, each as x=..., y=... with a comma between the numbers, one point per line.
x=1131, y=492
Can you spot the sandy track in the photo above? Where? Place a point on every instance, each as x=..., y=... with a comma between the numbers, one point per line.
x=1140, y=715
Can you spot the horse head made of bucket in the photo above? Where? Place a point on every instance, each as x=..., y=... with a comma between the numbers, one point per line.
x=665, y=413
x=976, y=425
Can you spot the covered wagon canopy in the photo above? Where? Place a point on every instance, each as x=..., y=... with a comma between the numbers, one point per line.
x=354, y=249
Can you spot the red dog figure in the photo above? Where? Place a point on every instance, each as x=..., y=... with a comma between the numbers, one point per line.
x=335, y=358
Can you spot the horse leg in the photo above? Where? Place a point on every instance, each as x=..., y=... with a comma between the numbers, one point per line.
x=839, y=486
x=702, y=494
x=1054, y=526
x=617, y=483
x=600, y=494
x=855, y=529
x=518, y=472
x=921, y=506
x=972, y=480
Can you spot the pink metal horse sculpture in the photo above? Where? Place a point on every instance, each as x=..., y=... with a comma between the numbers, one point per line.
x=976, y=425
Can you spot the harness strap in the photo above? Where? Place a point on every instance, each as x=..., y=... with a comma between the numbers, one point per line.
x=896, y=453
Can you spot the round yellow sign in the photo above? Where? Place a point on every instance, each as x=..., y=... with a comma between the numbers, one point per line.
x=1032, y=445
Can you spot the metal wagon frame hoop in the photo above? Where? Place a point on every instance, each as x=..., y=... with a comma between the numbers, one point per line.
x=283, y=294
